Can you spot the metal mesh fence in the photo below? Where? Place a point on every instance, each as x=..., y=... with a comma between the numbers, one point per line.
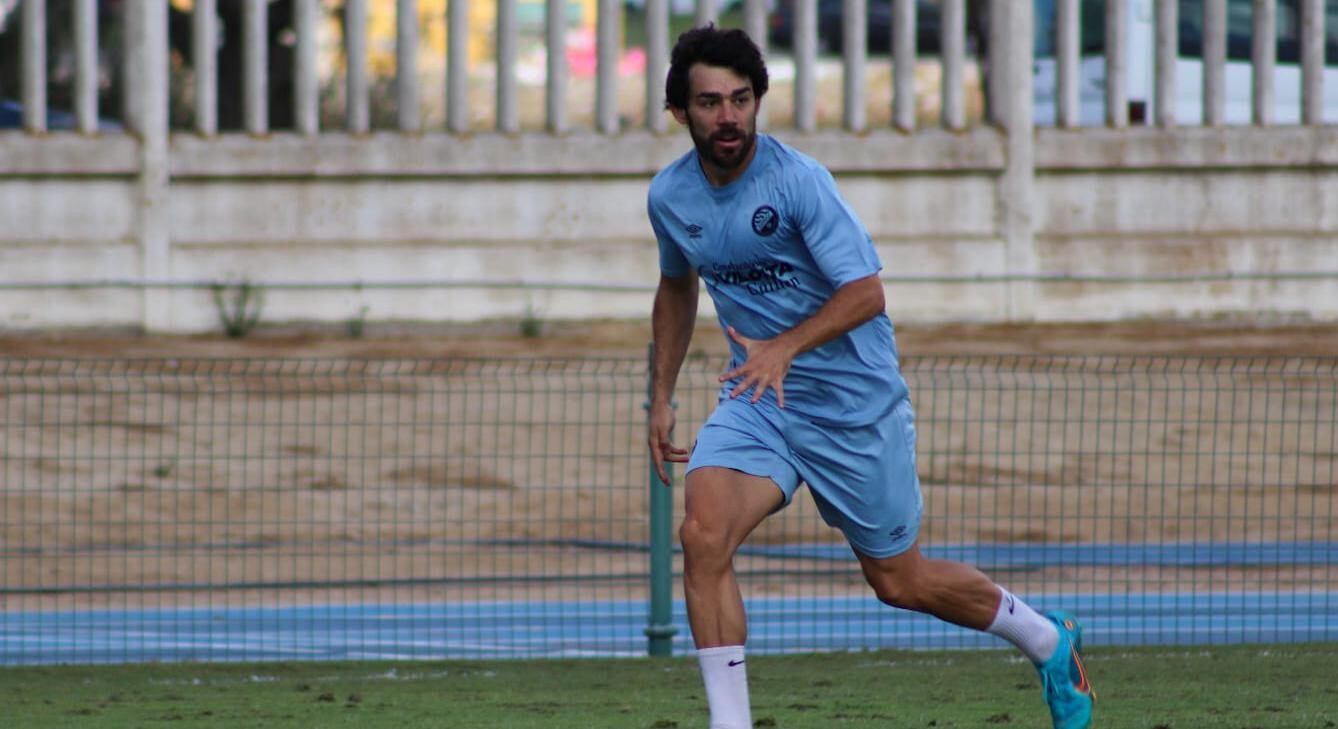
x=313, y=509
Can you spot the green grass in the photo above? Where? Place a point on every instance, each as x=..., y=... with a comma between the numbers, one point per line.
x=1236, y=687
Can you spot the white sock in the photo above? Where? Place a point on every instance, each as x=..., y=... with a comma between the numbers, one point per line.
x=1025, y=628
x=726, y=678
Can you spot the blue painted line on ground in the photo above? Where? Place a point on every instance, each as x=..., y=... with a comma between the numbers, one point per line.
x=589, y=629
x=1039, y=556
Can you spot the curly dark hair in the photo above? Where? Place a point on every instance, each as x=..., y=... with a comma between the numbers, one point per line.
x=731, y=49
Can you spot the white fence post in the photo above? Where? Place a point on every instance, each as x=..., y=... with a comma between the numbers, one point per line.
x=256, y=64
x=34, y=66
x=204, y=29
x=555, y=95
x=657, y=63
x=86, y=65
x=508, y=114
x=609, y=51
x=406, y=65
x=1312, y=61
x=903, y=65
x=1068, y=52
x=755, y=24
x=1214, y=62
x=1263, y=56
x=1016, y=184
x=358, y=111
x=953, y=45
x=1168, y=22
x=706, y=12
x=457, y=66
x=854, y=57
x=805, y=44
x=306, y=98
x=1117, y=64
x=146, y=115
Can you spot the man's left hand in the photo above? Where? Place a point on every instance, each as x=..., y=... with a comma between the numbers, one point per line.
x=767, y=363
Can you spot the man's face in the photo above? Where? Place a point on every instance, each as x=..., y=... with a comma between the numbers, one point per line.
x=721, y=116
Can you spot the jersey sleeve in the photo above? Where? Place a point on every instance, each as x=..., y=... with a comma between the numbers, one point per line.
x=673, y=263
x=837, y=240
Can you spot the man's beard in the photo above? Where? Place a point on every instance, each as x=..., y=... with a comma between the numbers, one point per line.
x=706, y=146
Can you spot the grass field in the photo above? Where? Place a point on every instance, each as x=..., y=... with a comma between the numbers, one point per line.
x=1235, y=687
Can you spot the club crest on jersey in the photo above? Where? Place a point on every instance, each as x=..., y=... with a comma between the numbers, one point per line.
x=765, y=220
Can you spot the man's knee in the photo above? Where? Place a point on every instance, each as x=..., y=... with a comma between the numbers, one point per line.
x=896, y=587
x=894, y=592
x=704, y=546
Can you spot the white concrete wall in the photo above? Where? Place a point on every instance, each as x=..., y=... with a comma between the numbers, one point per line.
x=566, y=212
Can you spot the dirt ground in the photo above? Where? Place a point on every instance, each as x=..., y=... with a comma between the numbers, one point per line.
x=629, y=339
x=374, y=468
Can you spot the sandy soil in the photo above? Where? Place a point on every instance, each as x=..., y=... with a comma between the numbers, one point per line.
x=406, y=465
x=629, y=339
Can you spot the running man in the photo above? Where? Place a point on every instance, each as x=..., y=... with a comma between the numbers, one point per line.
x=813, y=393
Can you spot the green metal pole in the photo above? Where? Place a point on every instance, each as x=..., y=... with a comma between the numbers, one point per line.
x=660, y=630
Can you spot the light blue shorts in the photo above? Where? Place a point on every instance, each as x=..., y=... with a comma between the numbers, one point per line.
x=863, y=479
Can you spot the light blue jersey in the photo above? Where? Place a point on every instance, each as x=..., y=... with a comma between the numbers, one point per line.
x=771, y=248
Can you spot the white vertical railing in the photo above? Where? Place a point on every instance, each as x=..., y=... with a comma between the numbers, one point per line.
x=1015, y=190
x=34, y=66
x=657, y=63
x=255, y=37
x=1312, y=61
x=996, y=36
x=805, y=44
x=706, y=12
x=1068, y=26
x=1167, y=28
x=953, y=50
x=508, y=108
x=86, y=65
x=306, y=87
x=555, y=97
x=755, y=24
x=607, y=49
x=1117, y=64
x=204, y=40
x=1263, y=53
x=355, y=50
x=853, y=64
x=903, y=65
x=1214, y=62
x=406, y=64
x=457, y=64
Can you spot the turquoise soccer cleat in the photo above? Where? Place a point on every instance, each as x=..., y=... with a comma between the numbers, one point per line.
x=1064, y=679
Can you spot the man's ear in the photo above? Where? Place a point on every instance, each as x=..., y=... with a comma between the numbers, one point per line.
x=680, y=115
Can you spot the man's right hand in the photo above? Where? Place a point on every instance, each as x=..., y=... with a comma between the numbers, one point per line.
x=660, y=431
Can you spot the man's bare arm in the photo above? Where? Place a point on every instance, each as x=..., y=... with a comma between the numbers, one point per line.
x=851, y=306
x=769, y=359
x=672, y=321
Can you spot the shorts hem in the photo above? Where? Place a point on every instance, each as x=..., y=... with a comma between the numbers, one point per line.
x=885, y=553
x=786, y=497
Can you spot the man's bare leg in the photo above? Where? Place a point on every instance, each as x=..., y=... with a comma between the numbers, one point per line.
x=960, y=594
x=723, y=507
